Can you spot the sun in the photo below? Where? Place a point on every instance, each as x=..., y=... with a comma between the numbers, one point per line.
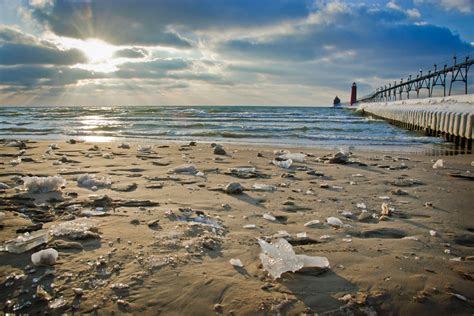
x=96, y=51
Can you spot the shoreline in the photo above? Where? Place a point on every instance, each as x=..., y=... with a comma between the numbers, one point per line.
x=428, y=148
x=143, y=256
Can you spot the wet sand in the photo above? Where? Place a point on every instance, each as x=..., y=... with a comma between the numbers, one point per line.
x=142, y=259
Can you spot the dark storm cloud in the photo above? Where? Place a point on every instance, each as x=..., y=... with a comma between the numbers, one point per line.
x=151, y=22
x=16, y=54
x=17, y=48
x=37, y=75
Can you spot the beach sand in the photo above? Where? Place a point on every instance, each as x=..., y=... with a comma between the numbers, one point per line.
x=130, y=264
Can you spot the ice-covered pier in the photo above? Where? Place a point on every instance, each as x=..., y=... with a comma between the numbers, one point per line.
x=450, y=117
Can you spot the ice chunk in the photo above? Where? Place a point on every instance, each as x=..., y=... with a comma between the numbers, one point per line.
x=15, y=143
x=282, y=234
x=334, y=221
x=89, y=213
x=310, y=262
x=347, y=214
x=312, y=223
x=90, y=181
x=242, y=170
x=124, y=146
x=145, y=149
x=433, y=233
x=236, y=263
x=302, y=235
x=294, y=157
x=186, y=168
x=46, y=257
x=27, y=241
x=263, y=187
x=361, y=206
x=279, y=257
x=250, y=226
x=279, y=152
x=269, y=217
x=438, y=164
x=285, y=164
x=410, y=238
x=76, y=229
x=43, y=184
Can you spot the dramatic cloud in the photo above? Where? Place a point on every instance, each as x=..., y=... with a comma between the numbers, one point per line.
x=223, y=52
x=155, y=22
x=376, y=37
x=37, y=76
x=18, y=48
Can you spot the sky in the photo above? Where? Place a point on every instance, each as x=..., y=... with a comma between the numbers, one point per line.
x=220, y=52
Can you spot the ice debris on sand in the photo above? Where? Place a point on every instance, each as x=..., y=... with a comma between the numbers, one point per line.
x=236, y=263
x=186, y=168
x=76, y=229
x=26, y=242
x=263, y=187
x=45, y=257
x=438, y=164
x=279, y=257
x=296, y=157
x=285, y=164
x=124, y=146
x=43, y=184
x=145, y=149
x=269, y=217
x=245, y=172
x=91, y=182
x=312, y=223
x=334, y=221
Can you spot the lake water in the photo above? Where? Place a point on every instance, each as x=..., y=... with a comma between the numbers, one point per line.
x=276, y=126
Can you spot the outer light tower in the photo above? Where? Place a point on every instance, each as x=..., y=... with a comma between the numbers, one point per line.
x=354, y=93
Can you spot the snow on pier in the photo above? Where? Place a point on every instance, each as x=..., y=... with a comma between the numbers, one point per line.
x=451, y=117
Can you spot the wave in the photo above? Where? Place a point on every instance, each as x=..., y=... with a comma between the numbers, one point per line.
x=27, y=130
x=302, y=126
x=105, y=128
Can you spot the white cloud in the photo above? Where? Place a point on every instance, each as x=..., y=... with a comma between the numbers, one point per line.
x=411, y=13
x=394, y=6
x=40, y=3
x=463, y=6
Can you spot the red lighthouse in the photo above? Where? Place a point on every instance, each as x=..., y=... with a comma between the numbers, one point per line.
x=354, y=93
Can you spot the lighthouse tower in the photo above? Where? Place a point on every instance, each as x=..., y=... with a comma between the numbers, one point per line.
x=354, y=93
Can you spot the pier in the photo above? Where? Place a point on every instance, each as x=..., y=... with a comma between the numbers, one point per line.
x=449, y=116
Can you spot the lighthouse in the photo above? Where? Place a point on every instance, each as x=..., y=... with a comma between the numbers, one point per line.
x=354, y=93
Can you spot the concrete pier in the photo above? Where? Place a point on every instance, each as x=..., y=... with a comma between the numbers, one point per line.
x=450, y=117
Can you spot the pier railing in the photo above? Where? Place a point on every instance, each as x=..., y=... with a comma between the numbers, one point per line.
x=437, y=77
